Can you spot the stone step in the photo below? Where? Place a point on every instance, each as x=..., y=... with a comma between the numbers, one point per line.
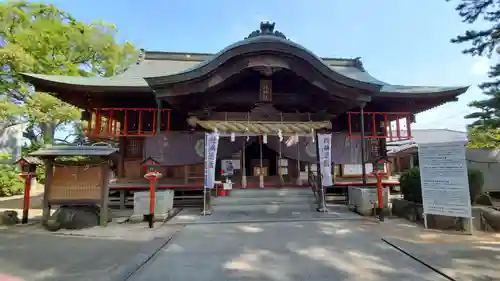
x=270, y=192
x=270, y=209
x=275, y=200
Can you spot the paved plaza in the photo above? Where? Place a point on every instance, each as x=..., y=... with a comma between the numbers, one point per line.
x=282, y=251
x=268, y=245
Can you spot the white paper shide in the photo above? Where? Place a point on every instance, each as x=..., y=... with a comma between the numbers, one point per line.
x=325, y=156
x=211, y=143
x=443, y=174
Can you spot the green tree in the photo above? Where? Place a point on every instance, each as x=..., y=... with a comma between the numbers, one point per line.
x=484, y=130
x=40, y=38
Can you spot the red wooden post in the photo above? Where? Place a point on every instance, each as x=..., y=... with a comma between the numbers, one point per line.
x=349, y=124
x=139, y=124
x=398, y=129
x=380, y=197
x=109, y=124
x=153, y=127
x=97, y=129
x=125, y=125
x=26, y=201
x=89, y=125
x=386, y=134
x=374, y=126
x=408, y=127
x=168, y=121
x=115, y=125
x=152, y=196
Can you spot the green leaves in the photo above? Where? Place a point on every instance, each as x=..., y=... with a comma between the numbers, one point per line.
x=40, y=38
x=484, y=131
x=483, y=137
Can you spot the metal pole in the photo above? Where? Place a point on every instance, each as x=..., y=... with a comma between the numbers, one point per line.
x=261, y=174
x=298, y=182
x=204, y=213
x=362, y=121
x=243, y=166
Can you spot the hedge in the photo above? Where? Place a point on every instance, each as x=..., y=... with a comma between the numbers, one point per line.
x=412, y=189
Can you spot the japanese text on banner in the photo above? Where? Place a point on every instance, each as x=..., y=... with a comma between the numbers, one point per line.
x=325, y=157
x=211, y=143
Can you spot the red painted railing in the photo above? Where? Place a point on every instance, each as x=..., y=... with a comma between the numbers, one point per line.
x=387, y=119
x=117, y=122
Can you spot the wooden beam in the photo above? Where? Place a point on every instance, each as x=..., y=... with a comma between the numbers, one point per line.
x=49, y=173
x=103, y=218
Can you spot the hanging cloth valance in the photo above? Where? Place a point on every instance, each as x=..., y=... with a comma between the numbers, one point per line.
x=262, y=127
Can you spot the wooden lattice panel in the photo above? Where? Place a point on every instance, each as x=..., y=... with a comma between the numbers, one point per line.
x=73, y=183
x=176, y=172
x=197, y=170
x=134, y=148
x=132, y=169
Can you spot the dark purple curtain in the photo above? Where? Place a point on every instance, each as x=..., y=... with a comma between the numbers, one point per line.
x=182, y=148
x=344, y=150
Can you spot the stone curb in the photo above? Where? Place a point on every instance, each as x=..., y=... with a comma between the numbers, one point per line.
x=140, y=259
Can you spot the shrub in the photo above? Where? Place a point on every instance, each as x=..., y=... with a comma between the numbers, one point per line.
x=410, y=185
x=10, y=182
x=412, y=189
x=476, y=182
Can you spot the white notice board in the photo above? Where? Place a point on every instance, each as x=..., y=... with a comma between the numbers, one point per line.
x=445, y=183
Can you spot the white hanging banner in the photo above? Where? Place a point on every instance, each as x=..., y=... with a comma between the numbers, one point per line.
x=325, y=157
x=211, y=143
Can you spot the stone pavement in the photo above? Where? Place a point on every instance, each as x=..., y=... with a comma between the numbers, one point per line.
x=258, y=213
x=282, y=251
x=461, y=261
x=30, y=253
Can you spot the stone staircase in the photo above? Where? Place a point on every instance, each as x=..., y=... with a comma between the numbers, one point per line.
x=295, y=199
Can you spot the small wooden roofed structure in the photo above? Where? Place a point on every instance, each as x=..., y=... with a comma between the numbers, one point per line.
x=30, y=160
x=79, y=183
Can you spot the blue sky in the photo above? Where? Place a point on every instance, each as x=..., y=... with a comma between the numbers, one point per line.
x=400, y=42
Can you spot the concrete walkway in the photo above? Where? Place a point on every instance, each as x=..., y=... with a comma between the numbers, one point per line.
x=30, y=253
x=282, y=251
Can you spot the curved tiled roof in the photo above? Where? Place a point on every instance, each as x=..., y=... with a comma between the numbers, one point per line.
x=167, y=67
x=261, y=44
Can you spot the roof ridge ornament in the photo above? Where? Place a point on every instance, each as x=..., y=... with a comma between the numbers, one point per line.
x=266, y=28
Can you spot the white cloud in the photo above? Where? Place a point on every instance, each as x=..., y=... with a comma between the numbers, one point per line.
x=480, y=66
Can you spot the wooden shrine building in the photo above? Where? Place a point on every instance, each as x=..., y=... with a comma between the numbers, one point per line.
x=265, y=95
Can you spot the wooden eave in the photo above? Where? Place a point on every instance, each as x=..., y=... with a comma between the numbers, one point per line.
x=259, y=45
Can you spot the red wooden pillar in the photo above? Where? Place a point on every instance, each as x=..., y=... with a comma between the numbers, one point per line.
x=398, y=129
x=26, y=200
x=139, y=123
x=152, y=196
x=380, y=196
x=374, y=126
x=97, y=129
x=408, y=126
